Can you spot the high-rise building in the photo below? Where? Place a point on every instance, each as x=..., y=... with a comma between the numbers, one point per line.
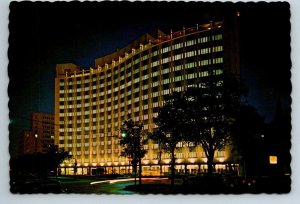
x=91, y=105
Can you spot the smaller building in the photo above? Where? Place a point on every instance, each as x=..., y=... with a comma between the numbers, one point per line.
x=41, y=135
x=27, y=142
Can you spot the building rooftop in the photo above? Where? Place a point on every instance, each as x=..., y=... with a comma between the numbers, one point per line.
x=144, y=42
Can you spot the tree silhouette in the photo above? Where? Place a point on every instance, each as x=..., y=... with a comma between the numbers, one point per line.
x=170, y=121
x=132, y=140
x=211, y=111
x=248, y=132
x=38, y=164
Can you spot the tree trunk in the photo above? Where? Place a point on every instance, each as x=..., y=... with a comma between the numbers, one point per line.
x=172, y=167
x=210, y=160
x=134, y=169
x=140, y=171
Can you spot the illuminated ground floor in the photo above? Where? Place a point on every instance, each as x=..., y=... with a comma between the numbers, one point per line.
x=150, y=169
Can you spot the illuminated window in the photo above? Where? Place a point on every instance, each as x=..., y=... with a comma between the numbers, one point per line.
x=155, y=84
x=177, y=46
x=144, y=77
x=154, y=74
x=220, y=153
x=220, y=83
x=190, y=65
x=190, y=42
x=165, y=60
x=155, y=146
x=217, y=37
x=218, y=49
x=190, y=54
x=166, y=81
x=273, y=159
x=177, y=57
x=219, y=71
x=166, y=92
x=205, y=62
x=203, y=40
x=179, y=155
x=166, y=49
x=191, y=76
x=218, y=60
x=192, y=154
x=145, y=147
x=145, y=97
x=166, y=155
x=178, y=78
x=153, y=64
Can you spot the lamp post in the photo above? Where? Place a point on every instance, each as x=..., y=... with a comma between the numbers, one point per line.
x=36, y=137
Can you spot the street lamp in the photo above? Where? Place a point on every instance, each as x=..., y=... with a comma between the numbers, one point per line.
x=36, y=137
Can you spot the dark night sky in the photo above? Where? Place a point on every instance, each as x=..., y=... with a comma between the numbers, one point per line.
x=45, y=34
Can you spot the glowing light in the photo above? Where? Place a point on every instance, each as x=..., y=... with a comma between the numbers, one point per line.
x=146, y=161
x=101, y=164
x=205, y=160
x=86, y=164
x=116, y=163
x=179, y=161
x=108, y=163
x=155, y=161
x=273, y=159
x=94, y=164
x=167, y=161
x=122, y=163
x=192, y=160
x=221, y=159
x=122, y=180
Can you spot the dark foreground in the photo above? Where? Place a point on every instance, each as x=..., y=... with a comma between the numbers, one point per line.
x=127, y=185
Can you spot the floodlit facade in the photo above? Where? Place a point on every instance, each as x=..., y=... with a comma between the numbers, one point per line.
x=91, y=105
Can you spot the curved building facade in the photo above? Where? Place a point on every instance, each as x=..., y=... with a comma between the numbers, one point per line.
x=90, y=105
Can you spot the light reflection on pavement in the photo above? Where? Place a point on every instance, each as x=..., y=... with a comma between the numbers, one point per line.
x=116, y=186
x=128, y=179
x=94, y=185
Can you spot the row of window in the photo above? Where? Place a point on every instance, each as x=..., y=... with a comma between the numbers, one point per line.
x=153, y=64
x=69, y=109
x=137, y=89
x=168, y=48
